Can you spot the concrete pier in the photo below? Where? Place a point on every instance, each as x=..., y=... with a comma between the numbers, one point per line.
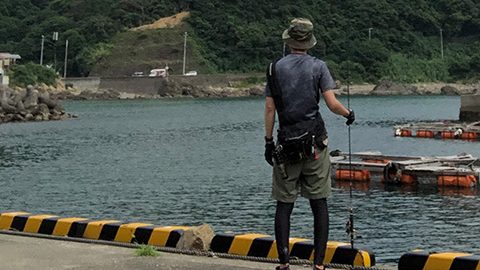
x=470, y=108
x=18, y=252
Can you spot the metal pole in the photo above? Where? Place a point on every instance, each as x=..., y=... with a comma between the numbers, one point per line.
x=41, y=51
x=441, y=42
x=184, y=52
x=284, y=48
x=370, y=33
x=66, y=55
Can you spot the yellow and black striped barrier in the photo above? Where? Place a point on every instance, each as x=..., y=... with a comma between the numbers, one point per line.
x=421, y=260
x=108, y=230
x=261, y=245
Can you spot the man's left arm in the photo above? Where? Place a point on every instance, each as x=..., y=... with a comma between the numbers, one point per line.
x=269, y=117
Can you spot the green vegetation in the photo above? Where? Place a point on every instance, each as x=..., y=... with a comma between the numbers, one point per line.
x=244, y=36
x=147, y=251
x=23, y=75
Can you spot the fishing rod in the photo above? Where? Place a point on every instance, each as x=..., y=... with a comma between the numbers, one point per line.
x=350, y=224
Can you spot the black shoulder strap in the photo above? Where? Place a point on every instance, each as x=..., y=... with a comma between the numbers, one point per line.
x=275, y=90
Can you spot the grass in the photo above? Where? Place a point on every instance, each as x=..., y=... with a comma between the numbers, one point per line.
x=146, y=251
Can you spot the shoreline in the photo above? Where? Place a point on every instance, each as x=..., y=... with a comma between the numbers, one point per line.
x=200, y=91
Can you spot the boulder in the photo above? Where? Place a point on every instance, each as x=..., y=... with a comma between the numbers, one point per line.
x=41, y=109
x=256, y=90
x=198, y=238
x=45, y=99
x=391, y=88
x=31, y=99
x=449, y=90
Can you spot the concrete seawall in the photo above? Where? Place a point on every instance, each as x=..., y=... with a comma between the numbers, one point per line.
x=156, y=86
x=470, y=108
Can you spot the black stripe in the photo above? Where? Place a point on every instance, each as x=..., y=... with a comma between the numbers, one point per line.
x=221, y=242
x=109, y=231
x=344, y=255
x=47, y=226
x=142, y=235
x=413, y=261
x=78, y=228
x=465, y=263
x=302, y=250
x=260, y=247
x=173, y=238
x=18, y=223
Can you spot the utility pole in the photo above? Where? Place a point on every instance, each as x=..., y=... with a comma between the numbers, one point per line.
x=184, y=52
x=370, y=33
x=55, y=39
x=66, y=55
x=441, y=42
x=41, y=51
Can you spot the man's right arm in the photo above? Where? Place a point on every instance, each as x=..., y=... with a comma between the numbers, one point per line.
x=334, y=105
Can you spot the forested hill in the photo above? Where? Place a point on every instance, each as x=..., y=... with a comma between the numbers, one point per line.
x=245, y=35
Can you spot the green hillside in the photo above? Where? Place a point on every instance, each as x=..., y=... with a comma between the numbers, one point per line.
x=141, y=51
x=243, y=36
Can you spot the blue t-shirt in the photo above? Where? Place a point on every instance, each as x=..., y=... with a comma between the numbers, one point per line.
x=301, y=78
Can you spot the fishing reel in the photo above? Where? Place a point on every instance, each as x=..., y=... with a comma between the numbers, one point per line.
x=350, y=230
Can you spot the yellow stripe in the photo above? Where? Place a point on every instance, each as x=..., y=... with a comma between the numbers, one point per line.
x=442, y=261
x=362, y=259
x=160, y=235
x=6, y=219
x=127, y=231
x=331, y=248
x=63, y=226
x=241, y=243
x=34, y=222
x=273, y=250
x=94, y=228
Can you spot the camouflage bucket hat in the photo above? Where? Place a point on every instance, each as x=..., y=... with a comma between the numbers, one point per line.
x=300, y=34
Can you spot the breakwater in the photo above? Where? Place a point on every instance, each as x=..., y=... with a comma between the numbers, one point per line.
x=29, y=104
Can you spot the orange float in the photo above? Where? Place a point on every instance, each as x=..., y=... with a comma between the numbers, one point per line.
x=405, y=133
x=355, y=175
x=425, y=133
x=457, y=180
x=408, y=179
x=468, y=136
x=448, y=135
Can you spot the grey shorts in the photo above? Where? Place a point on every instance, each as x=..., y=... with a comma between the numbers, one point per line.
x=310, y=178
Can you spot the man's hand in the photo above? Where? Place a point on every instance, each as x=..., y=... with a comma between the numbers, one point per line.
x=269, y=148
x=350, y=118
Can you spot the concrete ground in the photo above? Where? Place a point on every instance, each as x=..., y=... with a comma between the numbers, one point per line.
x=17, y=252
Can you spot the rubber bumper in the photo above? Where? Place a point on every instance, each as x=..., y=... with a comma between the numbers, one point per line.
x=107, y=230
x=260, y=245
x=421, y=260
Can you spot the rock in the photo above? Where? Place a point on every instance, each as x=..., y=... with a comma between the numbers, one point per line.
x=41, y=109
x=20, y=106
x=198, y=238
x=45, y=99
x=29, y=117
x=391, y=88
x=18, y=117
x=256, y=91
x=31, y=99
x=449, y=90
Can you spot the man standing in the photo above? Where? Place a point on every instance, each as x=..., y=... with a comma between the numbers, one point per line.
x=300, y=160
